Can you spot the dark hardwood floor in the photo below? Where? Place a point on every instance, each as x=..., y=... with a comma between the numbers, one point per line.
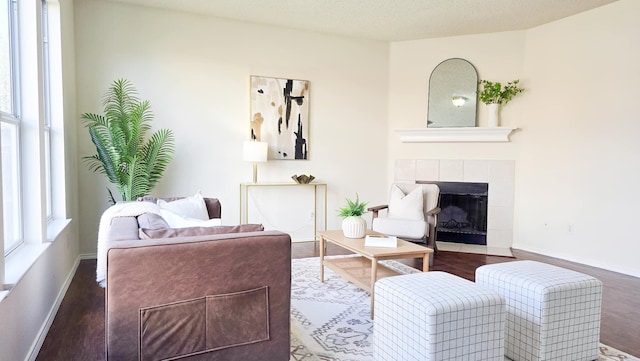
x=77, y=332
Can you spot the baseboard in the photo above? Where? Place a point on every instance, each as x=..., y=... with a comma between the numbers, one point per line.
x=89, y=256
x=42, y=334
x=580, y=260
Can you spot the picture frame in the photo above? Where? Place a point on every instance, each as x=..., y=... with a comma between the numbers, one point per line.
x=280, y=116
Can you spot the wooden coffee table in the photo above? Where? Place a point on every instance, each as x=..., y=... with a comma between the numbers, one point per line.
x=364, y=270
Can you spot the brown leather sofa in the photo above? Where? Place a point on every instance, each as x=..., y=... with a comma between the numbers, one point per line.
x=206, y=297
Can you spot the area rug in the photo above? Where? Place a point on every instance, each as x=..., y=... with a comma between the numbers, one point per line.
x=331, y=321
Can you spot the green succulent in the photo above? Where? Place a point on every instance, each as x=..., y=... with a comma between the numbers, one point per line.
x=494, y=93
x=131, y=162
x=352, y=208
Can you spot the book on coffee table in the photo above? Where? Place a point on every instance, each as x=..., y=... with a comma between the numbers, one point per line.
x=381, y=241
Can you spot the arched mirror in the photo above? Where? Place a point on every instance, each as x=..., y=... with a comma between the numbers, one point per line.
x=452, y=94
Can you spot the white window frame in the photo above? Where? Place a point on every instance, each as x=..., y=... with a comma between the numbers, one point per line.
x=13, y=120
x=39, y=109
x=46, y=84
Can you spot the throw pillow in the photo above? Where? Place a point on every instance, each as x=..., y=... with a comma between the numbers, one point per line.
x=175, y=220
x=192, y=207
x=198, y=231
x=409, y=206
x=151, y=221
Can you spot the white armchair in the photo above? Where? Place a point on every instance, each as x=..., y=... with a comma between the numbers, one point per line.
x=412, y=213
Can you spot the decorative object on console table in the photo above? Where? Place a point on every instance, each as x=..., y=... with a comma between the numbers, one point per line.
x=280, y=116
x=255, y=152
x=493, y=94
x=353, y=225
x=303, y=178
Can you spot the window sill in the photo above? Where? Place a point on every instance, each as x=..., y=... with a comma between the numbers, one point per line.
x=56, y=227
x=18, y=263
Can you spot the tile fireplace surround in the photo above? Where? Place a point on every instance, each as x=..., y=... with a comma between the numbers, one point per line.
x=499, y=174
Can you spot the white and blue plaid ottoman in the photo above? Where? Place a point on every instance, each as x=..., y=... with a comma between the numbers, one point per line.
x=552, y=313
x=436, y=316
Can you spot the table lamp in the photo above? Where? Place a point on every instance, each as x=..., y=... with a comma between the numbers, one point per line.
x=255, y=152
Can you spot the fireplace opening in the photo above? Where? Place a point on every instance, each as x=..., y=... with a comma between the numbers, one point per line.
x=463, y=215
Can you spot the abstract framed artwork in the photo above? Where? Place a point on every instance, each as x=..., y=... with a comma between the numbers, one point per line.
x=280, y=116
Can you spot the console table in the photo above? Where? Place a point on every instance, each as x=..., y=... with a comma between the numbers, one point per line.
x=317, y=187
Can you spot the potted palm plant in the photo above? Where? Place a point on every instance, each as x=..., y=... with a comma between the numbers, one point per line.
x=494, y=93
x=131, y=162
x=353, y=225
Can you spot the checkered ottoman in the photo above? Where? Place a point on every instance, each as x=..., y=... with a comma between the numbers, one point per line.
x=552, y=313
x=436, y=316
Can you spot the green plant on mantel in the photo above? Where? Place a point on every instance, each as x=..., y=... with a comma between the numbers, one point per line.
x=352, y=209
x=495, y=93
x=131, y=162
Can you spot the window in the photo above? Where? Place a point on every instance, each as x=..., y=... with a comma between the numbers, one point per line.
x=47, y=107
x=32, y=172
x=6, y=46
x=10, y=130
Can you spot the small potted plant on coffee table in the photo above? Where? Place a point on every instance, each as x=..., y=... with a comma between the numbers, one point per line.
x=353, y=225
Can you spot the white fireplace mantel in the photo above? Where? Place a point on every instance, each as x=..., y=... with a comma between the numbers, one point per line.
x=461, y=134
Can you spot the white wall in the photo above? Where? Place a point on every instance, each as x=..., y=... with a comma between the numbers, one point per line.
x=27, y=312
x=195, y=72
x=576, y=150
x=582, y=128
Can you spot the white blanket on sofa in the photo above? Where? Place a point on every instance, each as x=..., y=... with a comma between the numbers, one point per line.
x=123, y=209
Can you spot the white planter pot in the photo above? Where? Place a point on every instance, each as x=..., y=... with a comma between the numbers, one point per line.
x=494, y=115
x=354, y=227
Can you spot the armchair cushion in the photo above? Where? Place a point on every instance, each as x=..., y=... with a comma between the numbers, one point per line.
x=406, y=206
x=197, y=231
x=403, y=228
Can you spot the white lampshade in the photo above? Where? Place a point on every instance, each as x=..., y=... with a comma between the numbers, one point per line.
x=255, y=151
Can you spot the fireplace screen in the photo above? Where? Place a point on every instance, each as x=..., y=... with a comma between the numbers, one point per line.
x=463, y=215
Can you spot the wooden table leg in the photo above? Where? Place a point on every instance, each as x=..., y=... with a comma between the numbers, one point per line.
x=374, y=276
x=425, y=262
x=322, y=249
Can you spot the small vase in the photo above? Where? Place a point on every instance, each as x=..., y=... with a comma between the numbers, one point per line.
x=354, y=227
x=494, y=117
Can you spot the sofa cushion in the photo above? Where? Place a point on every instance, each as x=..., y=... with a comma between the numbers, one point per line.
x=197, y=231
x=151, y=221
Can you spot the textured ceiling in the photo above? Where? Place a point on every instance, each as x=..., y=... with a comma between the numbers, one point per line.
x=387, y=20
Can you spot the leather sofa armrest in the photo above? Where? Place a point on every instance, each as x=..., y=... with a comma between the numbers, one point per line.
x=141, y=274
x=123, y=229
